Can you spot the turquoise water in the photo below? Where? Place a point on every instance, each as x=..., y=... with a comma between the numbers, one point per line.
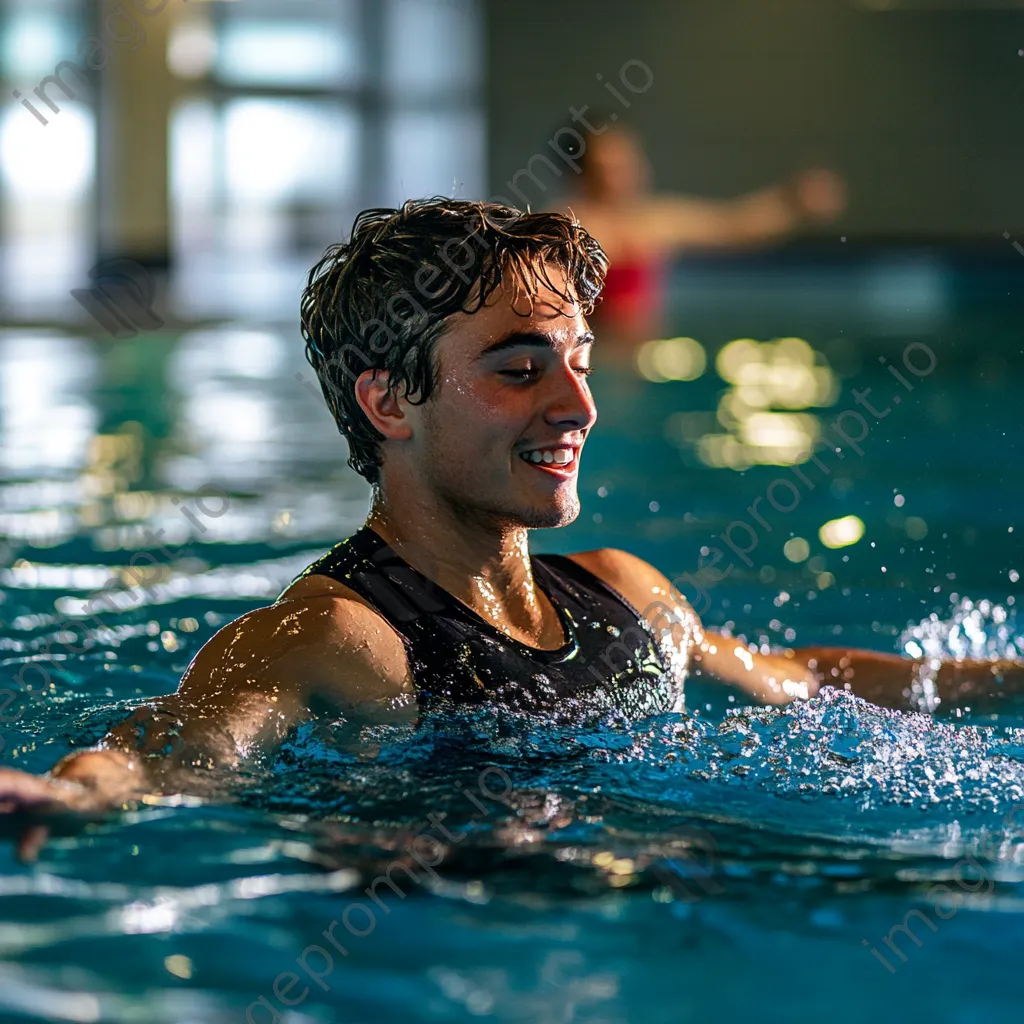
x=729, y=862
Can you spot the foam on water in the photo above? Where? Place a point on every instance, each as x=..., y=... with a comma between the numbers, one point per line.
x=982, y=629
x=854, y=768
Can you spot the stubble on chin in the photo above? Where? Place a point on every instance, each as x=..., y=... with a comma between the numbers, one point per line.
x=518, y=516
x=560, y=514
x=496, y=504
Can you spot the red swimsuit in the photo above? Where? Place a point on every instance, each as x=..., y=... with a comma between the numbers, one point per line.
x=633, y=291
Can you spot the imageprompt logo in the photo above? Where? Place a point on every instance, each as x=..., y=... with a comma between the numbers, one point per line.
x=121, y=298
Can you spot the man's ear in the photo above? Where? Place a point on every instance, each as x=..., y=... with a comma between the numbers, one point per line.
x=384, y=410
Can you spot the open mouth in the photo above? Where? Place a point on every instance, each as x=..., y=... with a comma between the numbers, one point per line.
x=559, y=461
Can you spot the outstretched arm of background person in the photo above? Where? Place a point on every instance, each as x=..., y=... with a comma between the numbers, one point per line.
x=761, y=216
x=246, y=687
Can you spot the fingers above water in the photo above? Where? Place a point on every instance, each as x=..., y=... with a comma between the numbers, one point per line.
x=20, y=791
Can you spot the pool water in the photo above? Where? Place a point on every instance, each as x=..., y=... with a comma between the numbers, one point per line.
x=828, y=860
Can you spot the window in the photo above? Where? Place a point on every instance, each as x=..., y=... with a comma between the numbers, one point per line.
x=299, y=115
x=47, y=170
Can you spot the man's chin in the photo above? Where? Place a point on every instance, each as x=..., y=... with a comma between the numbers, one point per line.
x=551, y=516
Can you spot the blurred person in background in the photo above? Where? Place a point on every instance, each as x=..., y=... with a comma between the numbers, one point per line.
x=641, y=231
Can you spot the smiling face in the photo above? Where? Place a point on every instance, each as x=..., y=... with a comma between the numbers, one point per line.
x=501, y=436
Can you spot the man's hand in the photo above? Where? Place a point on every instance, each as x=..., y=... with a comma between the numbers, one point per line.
x=88, y=783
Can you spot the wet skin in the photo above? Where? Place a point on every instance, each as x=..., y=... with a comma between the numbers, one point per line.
x=456, y=499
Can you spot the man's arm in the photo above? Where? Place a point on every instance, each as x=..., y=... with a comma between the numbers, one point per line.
x=884, y=679
x=768, y=678
x=246, y=687
x=889, y=679
x=771, y=679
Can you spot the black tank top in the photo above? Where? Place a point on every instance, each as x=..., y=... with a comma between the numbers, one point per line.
x=610, y=659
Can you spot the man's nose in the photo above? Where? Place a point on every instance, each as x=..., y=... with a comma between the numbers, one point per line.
x=571, y=404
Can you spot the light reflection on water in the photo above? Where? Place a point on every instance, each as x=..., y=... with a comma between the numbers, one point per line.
x=102, y=439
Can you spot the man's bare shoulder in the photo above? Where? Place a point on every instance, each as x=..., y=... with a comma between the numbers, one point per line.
x=639, y=582
x=318, y=636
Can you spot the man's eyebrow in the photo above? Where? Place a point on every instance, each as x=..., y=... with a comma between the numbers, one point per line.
x=530, y=339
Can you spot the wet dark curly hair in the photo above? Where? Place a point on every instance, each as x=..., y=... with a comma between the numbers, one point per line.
x=380, y=300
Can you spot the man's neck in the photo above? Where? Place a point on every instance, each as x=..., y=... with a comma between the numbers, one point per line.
x=485, y=566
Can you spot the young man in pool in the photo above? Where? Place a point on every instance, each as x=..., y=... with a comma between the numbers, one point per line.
x=451, y=342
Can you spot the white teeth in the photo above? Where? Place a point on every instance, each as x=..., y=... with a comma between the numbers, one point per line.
x=558, y=456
